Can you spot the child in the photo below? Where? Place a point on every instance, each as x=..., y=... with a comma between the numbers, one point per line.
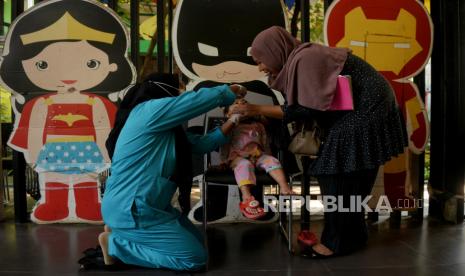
x=247, y=149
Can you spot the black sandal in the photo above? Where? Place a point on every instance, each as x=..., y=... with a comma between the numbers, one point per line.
x=97, y=263
x=93, y=260
x=318, y=256
x=93, y=252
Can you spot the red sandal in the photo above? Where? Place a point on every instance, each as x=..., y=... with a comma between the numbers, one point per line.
x=251, y=209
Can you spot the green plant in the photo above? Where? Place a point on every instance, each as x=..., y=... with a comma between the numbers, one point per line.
x=146, y=8
x=316, y=21
x=5, y=106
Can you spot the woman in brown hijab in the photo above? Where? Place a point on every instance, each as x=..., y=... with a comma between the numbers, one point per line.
x=356, y=142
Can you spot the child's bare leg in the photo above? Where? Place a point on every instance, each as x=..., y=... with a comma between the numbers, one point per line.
x=245, y=176
x=246, y=194
x=272, y=166
x=278, y=176
x=103, y=241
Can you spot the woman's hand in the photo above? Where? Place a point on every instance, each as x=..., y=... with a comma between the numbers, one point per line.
x=239, y=90
x=249, y=110
x=235, y=118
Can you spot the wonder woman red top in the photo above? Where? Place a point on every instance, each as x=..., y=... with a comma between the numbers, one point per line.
x=73, y=121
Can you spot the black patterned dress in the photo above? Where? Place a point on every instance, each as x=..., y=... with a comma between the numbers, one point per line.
x=361, y=139
x=356, y=143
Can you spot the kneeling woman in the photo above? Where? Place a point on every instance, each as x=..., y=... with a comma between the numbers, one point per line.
x=152, y=157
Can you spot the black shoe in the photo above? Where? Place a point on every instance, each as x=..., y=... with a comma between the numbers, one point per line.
x=317, y=256
x=93, y=260
x=90, y=263
x=97, y=263
x=117, y=266
x=93, y=252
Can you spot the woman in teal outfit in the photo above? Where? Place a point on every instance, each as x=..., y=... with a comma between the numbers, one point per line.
x=151, y=160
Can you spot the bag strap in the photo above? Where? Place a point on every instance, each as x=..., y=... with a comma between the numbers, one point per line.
x=315, y=129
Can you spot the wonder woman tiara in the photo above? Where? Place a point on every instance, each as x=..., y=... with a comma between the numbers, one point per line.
x=67, y=28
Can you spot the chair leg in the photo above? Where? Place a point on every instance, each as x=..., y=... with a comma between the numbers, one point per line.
x=289, y=225
x=204, y=205
x=287, y=231
x=204, y=218
x=280, y=216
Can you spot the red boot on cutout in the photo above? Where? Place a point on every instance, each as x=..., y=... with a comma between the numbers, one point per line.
x=87, y=201
x=55, y=207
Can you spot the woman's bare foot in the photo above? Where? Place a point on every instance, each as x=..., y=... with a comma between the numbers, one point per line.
x=103, y=241
x=322, y=250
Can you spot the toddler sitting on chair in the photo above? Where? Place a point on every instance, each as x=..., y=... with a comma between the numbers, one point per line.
x=248, y=148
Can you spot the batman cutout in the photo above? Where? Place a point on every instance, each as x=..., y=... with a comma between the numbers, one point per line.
x=212, y=38
x=211, y=41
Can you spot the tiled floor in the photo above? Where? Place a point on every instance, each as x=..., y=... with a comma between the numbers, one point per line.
x=428, y=248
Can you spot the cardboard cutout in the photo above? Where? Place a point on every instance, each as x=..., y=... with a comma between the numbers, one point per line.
x=211, y=43
x=61, y=60
x=221, y=54
x=395, y=37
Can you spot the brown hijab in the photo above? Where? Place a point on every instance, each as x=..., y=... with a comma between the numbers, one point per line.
x=307, y=71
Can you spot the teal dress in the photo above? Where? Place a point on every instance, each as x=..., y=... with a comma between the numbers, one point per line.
x=146, y=229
